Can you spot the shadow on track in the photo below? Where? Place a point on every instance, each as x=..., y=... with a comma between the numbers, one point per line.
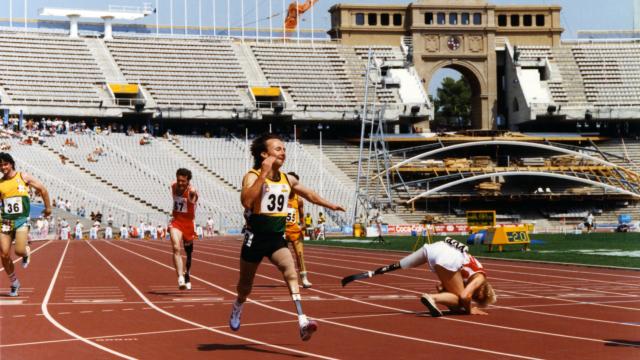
x=243, y=347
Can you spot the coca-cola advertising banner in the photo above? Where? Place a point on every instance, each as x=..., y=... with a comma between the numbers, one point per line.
x=434, y=229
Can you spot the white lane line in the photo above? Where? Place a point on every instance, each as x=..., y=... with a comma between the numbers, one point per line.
x=502, y=307
x=45, y=311
x=519, y=282
x=352, y=327
x=159, y=332
x=193, y=323
x=323, y=257
x=11, y=302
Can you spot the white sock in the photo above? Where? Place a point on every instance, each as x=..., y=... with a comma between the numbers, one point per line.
x=302, y=319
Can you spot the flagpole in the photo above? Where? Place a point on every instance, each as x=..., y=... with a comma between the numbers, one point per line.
x=271, y=21
x=157, y=19
x=242, y=18
x=228, y=18
x=186, y=21
x=213, y=2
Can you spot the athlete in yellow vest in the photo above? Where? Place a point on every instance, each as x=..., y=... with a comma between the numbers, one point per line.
x=294, y=233
x=14, y=193
x=265, y=191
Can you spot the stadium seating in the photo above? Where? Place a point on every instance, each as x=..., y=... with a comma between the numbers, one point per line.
x=182, y=72
x=48, y=69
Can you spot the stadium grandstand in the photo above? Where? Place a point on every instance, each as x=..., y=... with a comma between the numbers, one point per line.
x=105, y=116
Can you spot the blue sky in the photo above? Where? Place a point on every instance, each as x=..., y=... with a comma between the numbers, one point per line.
x=576, y=14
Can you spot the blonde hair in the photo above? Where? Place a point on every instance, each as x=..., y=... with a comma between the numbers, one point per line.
x=485, y=295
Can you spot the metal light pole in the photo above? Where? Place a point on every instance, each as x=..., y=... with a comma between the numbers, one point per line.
x=320, y=127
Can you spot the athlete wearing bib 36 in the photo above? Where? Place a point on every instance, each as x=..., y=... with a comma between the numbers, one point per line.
x=182, y=226
x=14, y=192
x=294, y=233
x=462, y=277
x=265, y=190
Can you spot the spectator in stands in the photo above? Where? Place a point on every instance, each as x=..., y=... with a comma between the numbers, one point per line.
x=110, y=219
x=308, y=226
x=64, y=229
x=90, y=158
x=68, y=205
x=83, y=211
x=589, y=222
x=93, y=232
x=108, y=232
x=209, y=227
x=92, y=216
x=124, y=233
x=321, y=226
x=161, y=232
x=78, y=230
x=99, y=216
x=45, y=228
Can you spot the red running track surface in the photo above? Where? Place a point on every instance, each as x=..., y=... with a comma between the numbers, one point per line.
x=119, y=299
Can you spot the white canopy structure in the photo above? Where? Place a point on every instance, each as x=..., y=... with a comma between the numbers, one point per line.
x=114, y=12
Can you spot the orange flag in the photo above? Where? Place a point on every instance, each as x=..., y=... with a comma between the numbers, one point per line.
x=291, y=21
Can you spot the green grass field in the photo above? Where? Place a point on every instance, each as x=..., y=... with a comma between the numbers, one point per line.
x=588, y=249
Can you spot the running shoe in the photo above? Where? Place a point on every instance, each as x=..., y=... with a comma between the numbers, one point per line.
x=181, y=283
x=306, y=283
x=307, y=328
x=431, y=305
x=26, y=259
x=234, y=319
x=15, y=286
x=187, y=281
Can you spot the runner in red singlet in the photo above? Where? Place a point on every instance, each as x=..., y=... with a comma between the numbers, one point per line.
x=181, y=227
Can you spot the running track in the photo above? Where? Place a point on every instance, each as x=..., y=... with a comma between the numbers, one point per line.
x=119, y=299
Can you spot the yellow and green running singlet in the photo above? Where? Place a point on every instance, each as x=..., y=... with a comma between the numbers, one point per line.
x=269, y=215
x=15, y=198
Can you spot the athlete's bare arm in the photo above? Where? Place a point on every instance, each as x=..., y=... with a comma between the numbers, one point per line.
x=467, y=293
x=311, y=195
x=193, y=194
x=252, y=183
x=301, y=213
x=44, y=193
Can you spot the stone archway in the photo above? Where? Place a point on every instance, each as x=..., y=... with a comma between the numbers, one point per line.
x=476, y=81
x=482, y=98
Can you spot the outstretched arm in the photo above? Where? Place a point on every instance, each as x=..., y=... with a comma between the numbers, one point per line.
x=34, y=183
x=311, y=195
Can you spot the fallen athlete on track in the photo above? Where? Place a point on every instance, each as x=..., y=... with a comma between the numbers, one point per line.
x=464, y=286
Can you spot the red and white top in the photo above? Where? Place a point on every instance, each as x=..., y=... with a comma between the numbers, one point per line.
x=470, y=267
x=183, y=209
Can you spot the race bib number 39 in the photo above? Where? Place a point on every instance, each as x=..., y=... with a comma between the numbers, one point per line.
x=274, y=199
x=13, y=205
